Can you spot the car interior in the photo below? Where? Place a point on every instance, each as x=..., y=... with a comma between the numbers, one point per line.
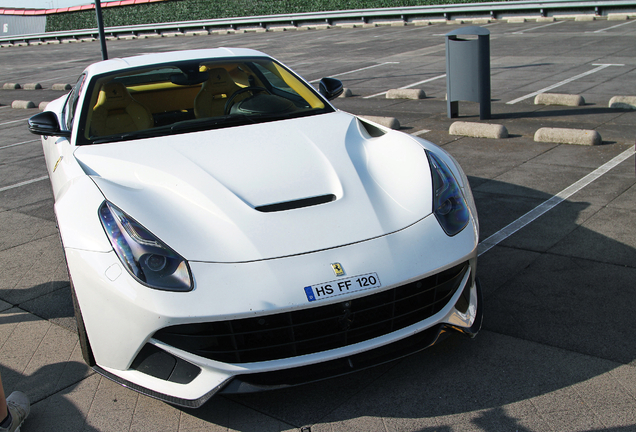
x=176, y=96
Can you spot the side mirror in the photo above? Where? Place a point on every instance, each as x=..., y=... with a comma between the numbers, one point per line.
x=45, y=123
x=330, y=88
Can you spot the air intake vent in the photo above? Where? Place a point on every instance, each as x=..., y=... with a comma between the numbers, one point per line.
x=296, y=204
x=321, y=328
x=372, y=130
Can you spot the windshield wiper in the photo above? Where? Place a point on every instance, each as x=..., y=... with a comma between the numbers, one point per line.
x=127, y=136
x=201, y=124
x=174, y=128
x=210, y=123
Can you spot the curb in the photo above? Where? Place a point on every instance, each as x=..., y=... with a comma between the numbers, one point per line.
x=390, y=122
x=196, y=33
x=32, y=86
x=624, y=102
x=559, y=99
x=405, y=94
x=617, y=17
x=568, y=136
x=478, y=130
x=43, y=105
x=11, y=86
x=20, y=104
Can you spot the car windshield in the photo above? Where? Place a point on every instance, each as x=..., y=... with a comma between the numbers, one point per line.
x=191, y=96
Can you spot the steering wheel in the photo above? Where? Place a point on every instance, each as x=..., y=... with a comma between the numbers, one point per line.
x=230, y=101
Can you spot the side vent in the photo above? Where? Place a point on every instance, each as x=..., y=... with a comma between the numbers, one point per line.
x=296, y=204
x=372, y=130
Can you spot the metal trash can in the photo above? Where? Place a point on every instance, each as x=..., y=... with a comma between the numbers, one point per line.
x=468, y=70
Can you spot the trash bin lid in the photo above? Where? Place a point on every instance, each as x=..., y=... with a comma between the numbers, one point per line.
x=470, y=30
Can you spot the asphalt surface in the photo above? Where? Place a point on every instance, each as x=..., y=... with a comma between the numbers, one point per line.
x=557, y=350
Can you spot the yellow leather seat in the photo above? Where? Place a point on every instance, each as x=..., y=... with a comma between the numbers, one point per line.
x=116, y=111
x=210, y=101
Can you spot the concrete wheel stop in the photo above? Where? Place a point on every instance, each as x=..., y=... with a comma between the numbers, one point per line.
x=478, y=130
x=568, y=136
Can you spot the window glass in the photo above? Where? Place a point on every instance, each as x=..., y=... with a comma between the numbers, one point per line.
x=193, y=95
x=71, y=103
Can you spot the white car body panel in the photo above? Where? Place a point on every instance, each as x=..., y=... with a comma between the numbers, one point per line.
x=122, y=313
x=199, y=190
x=197, y=193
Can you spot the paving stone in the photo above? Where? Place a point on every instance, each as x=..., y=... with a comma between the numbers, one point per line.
x=22, y=228
x=153, y=415
x=548, y=359
x=32, y=270
x=56, y=307
x=37, y=357
x=66, y=410
x=599, y=238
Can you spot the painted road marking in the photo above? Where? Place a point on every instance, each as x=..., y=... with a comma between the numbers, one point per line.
x=535, y=28
x=612, y=27
x=548, y=205
x=407, y=86
x=20, y=143
x=24, y=183
x=356, y=70
x=559, y=84
x=14, y=121
x=420, y=132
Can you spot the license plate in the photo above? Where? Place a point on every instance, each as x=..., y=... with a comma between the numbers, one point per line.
x=342, y=286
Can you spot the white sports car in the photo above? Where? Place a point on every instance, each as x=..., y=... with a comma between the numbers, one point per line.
x=226, y=229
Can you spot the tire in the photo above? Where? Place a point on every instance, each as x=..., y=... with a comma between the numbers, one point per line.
x=87, y=352
x=85, y=345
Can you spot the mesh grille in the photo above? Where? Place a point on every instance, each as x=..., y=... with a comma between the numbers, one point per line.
x=316, y=329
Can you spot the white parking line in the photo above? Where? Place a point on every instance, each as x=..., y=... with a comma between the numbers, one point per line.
x=13, y=121
x=20, y=143
x=407, y=86
x=420, y=132
x=612, y=27
x=535, y=28
x=24, y=183
x=504, y=233
x=559, y=84
x=356, y=70
x=60, y=78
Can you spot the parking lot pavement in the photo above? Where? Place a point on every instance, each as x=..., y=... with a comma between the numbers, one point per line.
x=556, y=352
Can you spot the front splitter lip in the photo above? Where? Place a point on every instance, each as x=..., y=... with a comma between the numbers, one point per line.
x=358, y=362
x=247, y=380
x=173, y=400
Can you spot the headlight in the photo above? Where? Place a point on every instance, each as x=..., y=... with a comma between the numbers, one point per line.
x=449, y=205
x=148, y=259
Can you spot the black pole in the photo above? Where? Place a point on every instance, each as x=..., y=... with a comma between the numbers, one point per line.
x=100, y=27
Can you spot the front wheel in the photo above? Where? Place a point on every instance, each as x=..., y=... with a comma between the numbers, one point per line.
x=87, y=352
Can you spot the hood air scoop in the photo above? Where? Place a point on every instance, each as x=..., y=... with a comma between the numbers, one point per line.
x=296, y=204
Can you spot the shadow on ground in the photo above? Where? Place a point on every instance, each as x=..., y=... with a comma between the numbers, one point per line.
x=559, y=302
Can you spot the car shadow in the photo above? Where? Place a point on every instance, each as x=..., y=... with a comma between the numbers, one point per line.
x=40, y=360
x=559, y=304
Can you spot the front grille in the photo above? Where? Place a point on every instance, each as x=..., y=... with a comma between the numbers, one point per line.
x=316, y=329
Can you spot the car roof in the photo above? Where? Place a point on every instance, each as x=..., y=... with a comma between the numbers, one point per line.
x=115, y=64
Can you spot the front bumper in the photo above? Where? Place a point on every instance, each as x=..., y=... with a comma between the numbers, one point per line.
x=122, y=316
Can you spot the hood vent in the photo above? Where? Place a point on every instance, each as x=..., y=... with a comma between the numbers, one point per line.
x=372, y=130
x=296, y=204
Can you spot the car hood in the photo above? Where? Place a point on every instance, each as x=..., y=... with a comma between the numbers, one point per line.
x=200, y=192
